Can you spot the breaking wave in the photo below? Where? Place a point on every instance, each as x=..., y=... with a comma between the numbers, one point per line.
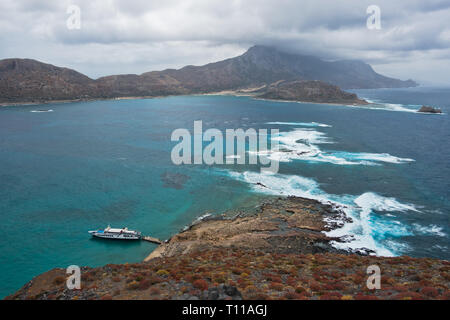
x=301, y=124
x=368, y=229
x=303, y=144
x=397, y=107
x=41, y=111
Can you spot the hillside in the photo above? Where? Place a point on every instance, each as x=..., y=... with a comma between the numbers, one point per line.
x=309, y=91
x=30, y=80
x=25, y=80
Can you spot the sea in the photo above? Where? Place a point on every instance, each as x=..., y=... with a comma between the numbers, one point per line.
x=67, y=168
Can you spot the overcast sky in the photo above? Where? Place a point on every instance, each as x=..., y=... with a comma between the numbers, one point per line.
x=135, y=36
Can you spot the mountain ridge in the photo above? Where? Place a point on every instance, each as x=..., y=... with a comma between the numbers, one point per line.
x=28, y=80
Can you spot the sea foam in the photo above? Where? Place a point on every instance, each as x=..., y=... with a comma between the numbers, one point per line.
x=368, y=230
x=303, y=144
x=301, y=124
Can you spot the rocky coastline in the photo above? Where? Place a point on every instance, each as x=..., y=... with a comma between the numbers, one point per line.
x=278, y=251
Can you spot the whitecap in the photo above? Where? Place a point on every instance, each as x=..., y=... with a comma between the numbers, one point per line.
x=41, y=111
x=430, y=230
x=301, y=124
x=302, y=144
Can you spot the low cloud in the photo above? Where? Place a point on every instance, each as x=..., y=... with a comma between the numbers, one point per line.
x=123, y=36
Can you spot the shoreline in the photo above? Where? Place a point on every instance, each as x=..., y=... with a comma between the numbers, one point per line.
x=234, y=93
x=277, y=252
x=305, y=219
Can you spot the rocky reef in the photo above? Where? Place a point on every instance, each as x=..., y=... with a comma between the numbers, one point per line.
x=428, y=109
x=278, y=251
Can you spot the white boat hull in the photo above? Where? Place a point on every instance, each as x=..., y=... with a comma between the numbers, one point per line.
x=108, y=235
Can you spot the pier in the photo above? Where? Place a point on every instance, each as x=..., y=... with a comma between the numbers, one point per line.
x=151, y=239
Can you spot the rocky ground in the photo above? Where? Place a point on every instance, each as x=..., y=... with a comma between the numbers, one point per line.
x=277, y=252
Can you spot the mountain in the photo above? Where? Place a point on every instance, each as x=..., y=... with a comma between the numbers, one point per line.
x=25, y=80
x=309, y=91
x=29, y=80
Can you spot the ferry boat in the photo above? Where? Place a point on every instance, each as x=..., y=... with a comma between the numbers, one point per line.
x=115, y=233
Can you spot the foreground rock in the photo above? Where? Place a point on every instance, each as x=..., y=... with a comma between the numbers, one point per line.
x=428, y=109
x=275, y=252
x=283, y=225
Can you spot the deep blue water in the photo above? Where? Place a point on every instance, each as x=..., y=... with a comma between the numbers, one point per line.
x=89, y=164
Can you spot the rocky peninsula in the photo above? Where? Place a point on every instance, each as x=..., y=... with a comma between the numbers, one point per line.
x=277, y=251
x=310, y=91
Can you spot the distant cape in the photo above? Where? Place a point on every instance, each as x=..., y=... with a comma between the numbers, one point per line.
x=26, y=80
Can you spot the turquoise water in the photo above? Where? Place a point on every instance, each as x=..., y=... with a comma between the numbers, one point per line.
x=85, y=165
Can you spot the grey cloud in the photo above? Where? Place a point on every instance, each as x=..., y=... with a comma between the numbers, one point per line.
x=136, y=36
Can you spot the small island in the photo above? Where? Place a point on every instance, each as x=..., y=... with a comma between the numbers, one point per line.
x=429, y=109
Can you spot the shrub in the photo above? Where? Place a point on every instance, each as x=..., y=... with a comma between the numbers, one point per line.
x=59, y=280
x=293, y=296
x=162, y=272
x=430, y=292
x=300, y=289
x=276, y=286
x=144, y=284
x=200, y=284
x=315, y=286
x=408, y=296
x=133, y=285
x=155, y=291
x=331, y=296
x=365, y=297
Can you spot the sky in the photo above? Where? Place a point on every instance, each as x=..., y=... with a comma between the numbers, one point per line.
x=136, y=36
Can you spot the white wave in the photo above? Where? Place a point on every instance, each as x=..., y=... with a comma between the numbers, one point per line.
x=364, y=228
x=362, y=231
x=301, y=124
x=40, y=111
x=380, y=157
x=398, y=107
x=431, y=229
x=372, y=201
x=302, y=144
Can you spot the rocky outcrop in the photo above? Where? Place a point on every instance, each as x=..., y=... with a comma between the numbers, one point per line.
x=428, y=109
x=310, y=91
